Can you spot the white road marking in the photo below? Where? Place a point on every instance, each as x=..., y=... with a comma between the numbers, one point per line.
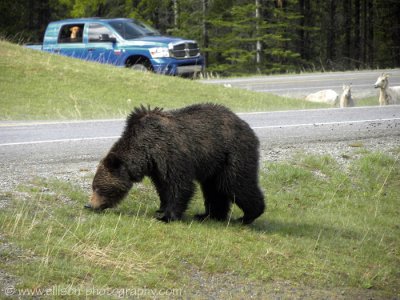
x=39, y=123
x=330, y=109
x=60, y=141
x=326, y=123
x=253, y=127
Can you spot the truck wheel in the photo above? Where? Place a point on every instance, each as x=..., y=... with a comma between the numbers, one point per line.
x=140, y=67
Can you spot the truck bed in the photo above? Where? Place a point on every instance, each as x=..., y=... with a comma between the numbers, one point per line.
x=34, y=46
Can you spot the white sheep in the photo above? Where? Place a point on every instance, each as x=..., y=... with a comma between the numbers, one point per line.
x=387, y=95
x=345, y=99
x=324, y=96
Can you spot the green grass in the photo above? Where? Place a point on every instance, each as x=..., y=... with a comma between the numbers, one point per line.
x=324, y=227
x=37, y=85
x=41, y=86
x=369, y=101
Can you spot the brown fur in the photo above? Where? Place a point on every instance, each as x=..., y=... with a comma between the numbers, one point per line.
x=205, y=143
x=96, y=201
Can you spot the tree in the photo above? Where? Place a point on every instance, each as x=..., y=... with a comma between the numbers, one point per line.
x=205, y=29
x=243, y=36
x=258, y=41
x=234, y=38
x=331, y=32
x=347, y=28
x=281, y=24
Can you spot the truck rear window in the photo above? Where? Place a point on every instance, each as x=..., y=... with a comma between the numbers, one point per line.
x=97, y=32
x=131, y=29
x=71, y=33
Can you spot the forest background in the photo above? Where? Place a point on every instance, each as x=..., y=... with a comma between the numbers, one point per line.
x=242, y=36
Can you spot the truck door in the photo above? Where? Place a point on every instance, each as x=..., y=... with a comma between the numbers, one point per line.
x=101, y=46
x=70, y=41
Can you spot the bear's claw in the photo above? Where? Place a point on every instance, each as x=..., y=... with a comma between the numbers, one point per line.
x=167, y=217
x=201, y=217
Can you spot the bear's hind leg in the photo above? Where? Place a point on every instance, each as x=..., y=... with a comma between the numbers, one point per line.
x=217, y=203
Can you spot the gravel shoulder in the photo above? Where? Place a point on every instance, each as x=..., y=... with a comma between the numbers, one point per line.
x=78, y=166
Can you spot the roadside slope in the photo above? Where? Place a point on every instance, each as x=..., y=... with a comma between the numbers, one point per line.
x=37, y=86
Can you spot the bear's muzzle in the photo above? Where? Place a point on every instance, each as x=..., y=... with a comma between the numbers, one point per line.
x=96, y=202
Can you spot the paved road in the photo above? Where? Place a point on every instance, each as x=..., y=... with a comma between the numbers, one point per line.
x=69, y=149
x=62, y=140
x=299, y=86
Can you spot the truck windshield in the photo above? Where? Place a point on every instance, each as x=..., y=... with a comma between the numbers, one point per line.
x=132, y=29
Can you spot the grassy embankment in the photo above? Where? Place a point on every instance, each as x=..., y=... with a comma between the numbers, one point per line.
x=326, y=228
x=37, y=85
x=40, y=86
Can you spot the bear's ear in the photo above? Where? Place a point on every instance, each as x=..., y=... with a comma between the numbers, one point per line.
x=112, y=161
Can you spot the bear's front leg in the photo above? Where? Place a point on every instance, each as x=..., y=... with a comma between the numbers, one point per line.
x=168, y=217
x=174, y=200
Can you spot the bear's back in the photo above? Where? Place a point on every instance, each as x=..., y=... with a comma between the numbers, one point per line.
x=206, y=125
x=214, y=126
x=197, y=140
x=209, y=116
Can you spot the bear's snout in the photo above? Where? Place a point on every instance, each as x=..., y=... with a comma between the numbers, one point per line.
x=96, y=202
x=90, y=207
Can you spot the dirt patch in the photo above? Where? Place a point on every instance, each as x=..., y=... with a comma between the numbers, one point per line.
x=231, y=286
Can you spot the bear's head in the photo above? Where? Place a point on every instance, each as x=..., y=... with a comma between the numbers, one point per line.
x=111, y=183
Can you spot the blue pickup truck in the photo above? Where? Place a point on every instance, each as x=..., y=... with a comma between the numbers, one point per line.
x=122, y=42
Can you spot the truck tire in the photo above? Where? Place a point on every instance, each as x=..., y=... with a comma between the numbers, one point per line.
x=140, y=67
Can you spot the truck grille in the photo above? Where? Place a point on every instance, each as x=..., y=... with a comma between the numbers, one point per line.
x=185, y=50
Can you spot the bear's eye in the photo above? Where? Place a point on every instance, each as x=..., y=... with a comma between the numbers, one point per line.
x=95, y=189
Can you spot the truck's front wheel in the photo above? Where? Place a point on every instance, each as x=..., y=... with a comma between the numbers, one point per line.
x=140, y=67
x=139, y=63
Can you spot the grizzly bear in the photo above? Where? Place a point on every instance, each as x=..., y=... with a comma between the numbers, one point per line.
x=206, y=143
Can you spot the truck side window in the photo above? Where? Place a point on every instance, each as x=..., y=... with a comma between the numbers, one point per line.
x=71, y=33
x=99, y=33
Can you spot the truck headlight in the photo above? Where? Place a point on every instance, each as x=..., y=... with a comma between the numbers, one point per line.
x=159, y=52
